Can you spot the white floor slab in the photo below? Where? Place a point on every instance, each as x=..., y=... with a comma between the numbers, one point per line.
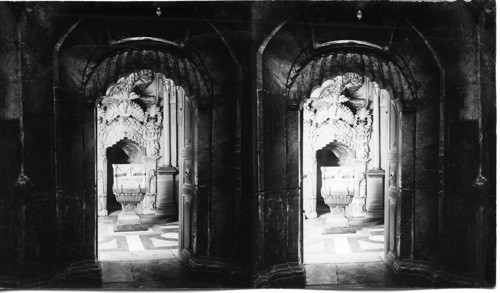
x=136, y=255
x=134, y=243
x=369, y=245
x=108, y=245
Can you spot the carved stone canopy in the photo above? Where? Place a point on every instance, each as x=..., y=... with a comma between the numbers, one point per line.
x=126, y=113
x=333, y=114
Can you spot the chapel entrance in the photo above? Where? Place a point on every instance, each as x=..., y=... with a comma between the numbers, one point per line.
x=350, y=154
x=144, y=141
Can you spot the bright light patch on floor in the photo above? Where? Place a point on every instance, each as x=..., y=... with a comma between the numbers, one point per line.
x=379, y=238
x=163, y=243
x=341, y=245
x=318, y=247
x=375, y=229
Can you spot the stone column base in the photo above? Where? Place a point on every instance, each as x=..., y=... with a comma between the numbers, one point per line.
x=336, y=221
x=312, y=215
x=102, y=213
x=128, y=221
x=166, y=192
x=375, y=194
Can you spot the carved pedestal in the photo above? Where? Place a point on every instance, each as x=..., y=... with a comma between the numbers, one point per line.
x=129, y=187
x=166, y=204
x=375, y=194
x=128, y=219
x=337, y=204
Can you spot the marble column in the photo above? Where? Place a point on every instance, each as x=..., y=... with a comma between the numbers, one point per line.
x=376, y=127
x=359, y=200
x=309, y=177
x=102, y=178
x=375, y=176
x=166, y=187
x=166, y=126
x=149, y=202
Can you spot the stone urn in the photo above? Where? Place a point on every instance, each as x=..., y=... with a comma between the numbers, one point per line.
x=337, y=191
x=337, y=200
x=129, y=188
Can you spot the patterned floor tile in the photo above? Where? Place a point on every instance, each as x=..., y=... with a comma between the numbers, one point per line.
x=158, y=242
x=364, y=245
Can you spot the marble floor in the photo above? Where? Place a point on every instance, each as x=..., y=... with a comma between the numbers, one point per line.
x=159, y=241
x=148, y=260
x=142, y=259
x=365, y=245
x=346, y=261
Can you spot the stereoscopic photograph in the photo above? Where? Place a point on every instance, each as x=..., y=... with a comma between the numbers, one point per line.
x=174, y=145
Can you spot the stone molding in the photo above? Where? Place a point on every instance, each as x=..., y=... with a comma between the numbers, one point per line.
x=432, y=272
x=288, y=271
x=213, y=265
x=88, y=270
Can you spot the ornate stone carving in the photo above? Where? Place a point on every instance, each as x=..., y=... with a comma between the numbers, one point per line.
x=363, y=132
x=328, y=117
x=124, y=88
x=124, y=118
x=187, y=174
x=153, y=132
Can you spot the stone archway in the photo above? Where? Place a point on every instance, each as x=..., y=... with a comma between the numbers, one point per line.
x=342, y=110
x=134, y=110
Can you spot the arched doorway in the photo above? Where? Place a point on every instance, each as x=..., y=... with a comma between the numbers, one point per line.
x=348, y=116
x=146, y=122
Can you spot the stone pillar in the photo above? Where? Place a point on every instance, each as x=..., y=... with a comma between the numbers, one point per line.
x=359, y=200
x=165, y=201
x=166, y=126
x=375, y=177
x=173, y=127
x=375, y=194
x=309, y=179
x=376, y=127
x=149, y=202
x=102, y=178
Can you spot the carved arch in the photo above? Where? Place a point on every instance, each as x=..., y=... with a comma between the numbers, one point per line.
x=306, y=77
x=108, y=64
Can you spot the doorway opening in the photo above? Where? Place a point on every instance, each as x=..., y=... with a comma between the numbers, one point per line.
x=350, y=152
x=138, y=163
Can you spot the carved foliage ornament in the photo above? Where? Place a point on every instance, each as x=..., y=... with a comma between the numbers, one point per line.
x=124, y=88
x=124, y=118
x=328, y=117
